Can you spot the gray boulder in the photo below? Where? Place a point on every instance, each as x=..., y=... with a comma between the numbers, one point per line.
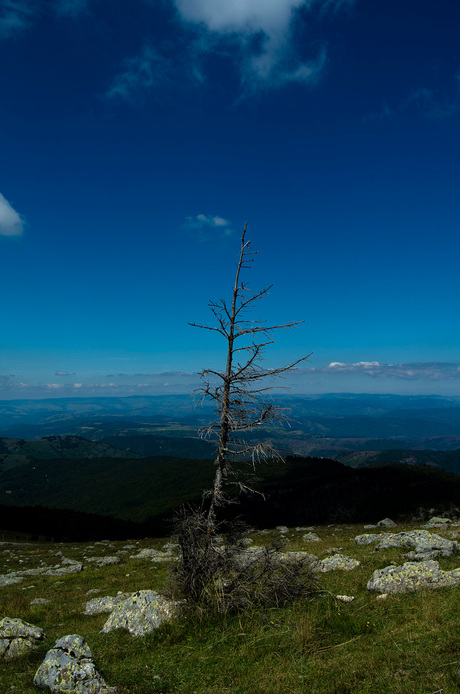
x=104, y=561
x=153, y=554
x=386, y=523
x=437, y=522
x=141, y=613
x=336, y=562
x=10, y=579
x=412, y=576
x=425, y=545
x=18, y=637
x=369, y=538
x=69, y=668
x=311, y=537
x=107, y=604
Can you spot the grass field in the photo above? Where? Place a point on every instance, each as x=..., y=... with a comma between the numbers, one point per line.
x=405, y=643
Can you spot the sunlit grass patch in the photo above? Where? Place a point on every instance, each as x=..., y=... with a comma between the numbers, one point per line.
x=319, y=645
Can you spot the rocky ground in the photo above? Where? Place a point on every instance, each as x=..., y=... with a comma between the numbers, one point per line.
x=37, y=581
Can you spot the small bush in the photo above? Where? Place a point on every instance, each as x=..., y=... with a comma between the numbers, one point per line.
x=217, y=572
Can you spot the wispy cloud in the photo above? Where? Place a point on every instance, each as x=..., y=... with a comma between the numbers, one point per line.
x=11, y=223
x=15, y=16
x=141, y=72
x=424, y=101
x=71, y=8
x=18, y=15
x=112, y=385
x=433, y=371
x=433, y=104
x=207, y=226
x=262, y=32
x=63, y=373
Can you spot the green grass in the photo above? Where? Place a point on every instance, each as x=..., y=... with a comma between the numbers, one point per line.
x=406, y=643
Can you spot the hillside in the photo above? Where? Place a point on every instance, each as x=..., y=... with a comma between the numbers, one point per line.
x=444, y=460
x=302, y=491
x=17, y=452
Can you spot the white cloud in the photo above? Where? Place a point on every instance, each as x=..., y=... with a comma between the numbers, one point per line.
x=14, y=16
x=207, y=225
x=11, y=223
x=432, y=371
x=263, y=31
x=141, y=72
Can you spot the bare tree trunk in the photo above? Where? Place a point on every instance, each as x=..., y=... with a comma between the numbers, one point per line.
x=222, y=451
x=241, y=402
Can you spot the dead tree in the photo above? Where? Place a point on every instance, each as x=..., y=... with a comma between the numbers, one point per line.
x=240, y=393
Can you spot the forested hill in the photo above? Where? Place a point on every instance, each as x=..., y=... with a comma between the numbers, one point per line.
x=17, y=452
x=303, y=491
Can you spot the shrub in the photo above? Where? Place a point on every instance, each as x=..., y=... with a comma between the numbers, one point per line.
x=217, y=572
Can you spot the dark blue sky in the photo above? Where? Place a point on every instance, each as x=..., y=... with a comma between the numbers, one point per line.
x=137, y=138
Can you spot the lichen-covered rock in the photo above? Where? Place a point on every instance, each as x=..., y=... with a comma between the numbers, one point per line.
x=61, y=570
x=437, y=522
x=104, y=561
x=106, y=604
x=18, y=637
x=69, y=668
x=336, y=562
x=369, y=538
x=153, y=554
x=386, y=523
x=286, y=557
x=141, y=613
x=10, y=579
x=425, y=545
x=412, y=576
x=311, y=537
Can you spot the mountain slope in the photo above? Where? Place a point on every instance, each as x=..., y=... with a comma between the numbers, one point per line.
x=17, y=452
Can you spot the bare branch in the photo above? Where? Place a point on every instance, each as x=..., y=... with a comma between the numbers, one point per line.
x=240, y=396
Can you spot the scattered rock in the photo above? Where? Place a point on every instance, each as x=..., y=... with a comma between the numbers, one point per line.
x=18, y=637
x=69, y=667
x=107, y=604
x=39, y=601
x=426, y=545
x=10, y=579
x=437, y=522
x=296, y=556
x=369, y=527
x=141, y=613
x=104, y=561
x=369, y=538
x=345, y=598
x=282, y=528
x=311, y=537
x=336, y=562
x=154, y=554
x=386, y=523
x=412, y=576
x=60, y=571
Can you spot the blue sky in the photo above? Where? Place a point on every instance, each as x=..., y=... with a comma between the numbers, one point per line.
x=136, y=138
